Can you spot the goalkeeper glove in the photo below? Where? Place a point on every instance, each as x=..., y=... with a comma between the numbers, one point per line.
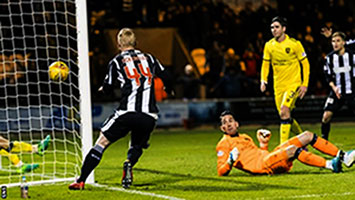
x=263, y=136
x=233, y=156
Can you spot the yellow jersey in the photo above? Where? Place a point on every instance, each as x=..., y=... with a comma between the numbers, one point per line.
x=286, y=58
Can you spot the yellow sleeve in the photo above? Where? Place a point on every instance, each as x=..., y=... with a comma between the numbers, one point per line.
x=300, y=52
x=302, y=57
x=305, y=66
x=265, y=66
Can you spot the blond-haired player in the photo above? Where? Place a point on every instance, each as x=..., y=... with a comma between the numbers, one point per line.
x=137, y=112
x=239, y=151
x=291, y=74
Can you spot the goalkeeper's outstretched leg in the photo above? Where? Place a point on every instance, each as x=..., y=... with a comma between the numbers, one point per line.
x=8, y=148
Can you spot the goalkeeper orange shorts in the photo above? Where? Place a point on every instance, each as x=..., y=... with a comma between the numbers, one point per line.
x=277, y=162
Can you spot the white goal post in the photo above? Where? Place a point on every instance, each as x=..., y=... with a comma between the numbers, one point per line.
x=33, y=34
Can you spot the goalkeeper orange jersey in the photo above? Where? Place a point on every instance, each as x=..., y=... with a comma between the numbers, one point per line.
x=250, y=156
x=285, y=58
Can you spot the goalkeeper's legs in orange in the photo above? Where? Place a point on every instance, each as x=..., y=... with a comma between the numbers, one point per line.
x=296, y=150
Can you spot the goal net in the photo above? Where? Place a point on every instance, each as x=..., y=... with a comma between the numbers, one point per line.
x=33, y=34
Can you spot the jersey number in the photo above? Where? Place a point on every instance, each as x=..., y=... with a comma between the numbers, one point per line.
x=136, y=76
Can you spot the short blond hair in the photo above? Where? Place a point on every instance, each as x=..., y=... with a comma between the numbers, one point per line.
x=126, y=38
x=339, y=34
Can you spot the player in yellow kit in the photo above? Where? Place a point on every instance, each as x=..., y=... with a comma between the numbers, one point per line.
x=8, y=149
x=239, y=151
x=291, y=74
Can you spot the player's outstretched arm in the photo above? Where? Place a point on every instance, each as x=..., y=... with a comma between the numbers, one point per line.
x=263, y=136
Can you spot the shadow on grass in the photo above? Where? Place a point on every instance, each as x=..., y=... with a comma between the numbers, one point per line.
x=238, y=185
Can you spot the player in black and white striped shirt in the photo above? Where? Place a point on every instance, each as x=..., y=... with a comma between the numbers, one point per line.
x=339, y=71
x=137, y=112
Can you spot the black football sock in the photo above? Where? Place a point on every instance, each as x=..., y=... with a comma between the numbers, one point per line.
x=92, y=159
x=134, y=153
x=325, y=130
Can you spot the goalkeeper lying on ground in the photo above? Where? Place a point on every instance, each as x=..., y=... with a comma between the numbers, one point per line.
x=7, y=149
x=239, y=151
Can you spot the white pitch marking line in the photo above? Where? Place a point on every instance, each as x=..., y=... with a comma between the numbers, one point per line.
x=137, y=192
x=308, y=196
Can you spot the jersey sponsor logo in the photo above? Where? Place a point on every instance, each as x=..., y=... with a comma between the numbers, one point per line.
x=220, y=153
x=344, y=69
x=288, y=49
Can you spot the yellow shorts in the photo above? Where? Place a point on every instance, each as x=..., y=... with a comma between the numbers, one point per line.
x=286, y=98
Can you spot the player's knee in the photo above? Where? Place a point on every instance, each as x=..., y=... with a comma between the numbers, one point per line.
x=297, y=152
x=327, y=116
x=285, y=113
x=306, y=137
x=291, y=151
x=103, y=141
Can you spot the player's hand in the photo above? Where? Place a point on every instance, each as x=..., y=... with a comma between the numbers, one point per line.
x=302, y=91
x=336, y=91
x=263, y=135
x=262, y=86
x=233, y=156
x=327, y=32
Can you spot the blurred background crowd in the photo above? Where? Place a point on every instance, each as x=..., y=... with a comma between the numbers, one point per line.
x=230, y=34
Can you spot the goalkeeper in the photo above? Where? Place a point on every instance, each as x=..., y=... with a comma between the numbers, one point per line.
x=7, y=149
x=239, y=151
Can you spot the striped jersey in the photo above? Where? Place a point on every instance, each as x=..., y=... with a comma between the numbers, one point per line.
x=134, y=71
x=340, y=69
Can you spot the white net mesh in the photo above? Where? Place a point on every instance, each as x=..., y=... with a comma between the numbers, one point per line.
x=33, y=34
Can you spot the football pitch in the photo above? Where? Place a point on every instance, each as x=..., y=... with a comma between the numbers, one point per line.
x=181, y=164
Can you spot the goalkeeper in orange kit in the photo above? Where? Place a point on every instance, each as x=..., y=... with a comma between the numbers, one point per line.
x=239, y=151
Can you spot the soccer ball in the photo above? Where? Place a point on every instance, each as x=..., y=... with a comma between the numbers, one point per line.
x=58, y=71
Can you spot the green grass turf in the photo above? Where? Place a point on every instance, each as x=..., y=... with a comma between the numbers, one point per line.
x=182, y=164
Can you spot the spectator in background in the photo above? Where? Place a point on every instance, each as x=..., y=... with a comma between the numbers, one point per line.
x=213, y=78
x=190, y=83
x=259, y=43
x=252, y=61
x=234, y=75
x=160, y=93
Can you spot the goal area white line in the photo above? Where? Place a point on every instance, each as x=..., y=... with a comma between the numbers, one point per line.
x=136, y=192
